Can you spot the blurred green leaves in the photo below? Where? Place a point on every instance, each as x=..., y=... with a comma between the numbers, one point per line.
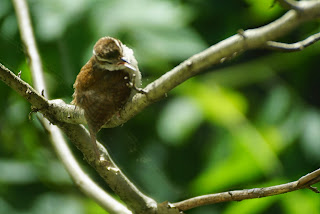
x=263, y=10
x=179, y=120
x=47, y=203
x=17, y=173
x=226, y=109
x=251, y=206
x=157, y=29
x=52, y=18
x=301, y=202
x=116, y=16
x=310, y=124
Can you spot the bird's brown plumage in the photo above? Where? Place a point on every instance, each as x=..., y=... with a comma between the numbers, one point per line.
x=101, y=93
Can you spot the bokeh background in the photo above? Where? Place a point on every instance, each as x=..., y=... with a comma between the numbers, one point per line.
x=250, y=122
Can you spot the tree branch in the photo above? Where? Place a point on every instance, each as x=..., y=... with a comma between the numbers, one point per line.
x=298, y=46
x=29, y=42
x=238, y=195
x=81, y=179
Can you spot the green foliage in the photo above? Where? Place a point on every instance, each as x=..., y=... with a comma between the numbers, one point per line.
x=251, y=122
x=187, y=116
x=263, y=10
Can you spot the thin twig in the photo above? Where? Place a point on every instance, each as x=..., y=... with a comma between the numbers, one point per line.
x=60, y=145
x=29, y=42
x=238, y=195
x=298, y=46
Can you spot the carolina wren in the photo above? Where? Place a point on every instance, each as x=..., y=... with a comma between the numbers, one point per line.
x=105, y=84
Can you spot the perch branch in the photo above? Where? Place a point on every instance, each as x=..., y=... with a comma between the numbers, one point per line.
x=298, y=46
x=238, y=195
x=216, y=54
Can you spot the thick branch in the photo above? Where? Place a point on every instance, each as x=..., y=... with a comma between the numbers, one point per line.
x=238, y=195
x=81, y=179
x=108, y=170
x=222, y=51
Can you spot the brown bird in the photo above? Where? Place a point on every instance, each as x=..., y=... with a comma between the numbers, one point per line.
x=105, y=84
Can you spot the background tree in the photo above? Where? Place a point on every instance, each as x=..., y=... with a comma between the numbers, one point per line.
x=251, y=122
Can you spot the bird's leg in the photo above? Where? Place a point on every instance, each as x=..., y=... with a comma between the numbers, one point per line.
x=132, y=84
x=94, y=144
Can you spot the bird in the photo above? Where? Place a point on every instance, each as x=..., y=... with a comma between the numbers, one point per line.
x=105, y=84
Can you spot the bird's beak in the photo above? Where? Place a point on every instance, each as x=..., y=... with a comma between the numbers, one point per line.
x=127, y=64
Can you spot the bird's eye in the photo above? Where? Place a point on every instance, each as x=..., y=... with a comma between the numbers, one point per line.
x=102, y=60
